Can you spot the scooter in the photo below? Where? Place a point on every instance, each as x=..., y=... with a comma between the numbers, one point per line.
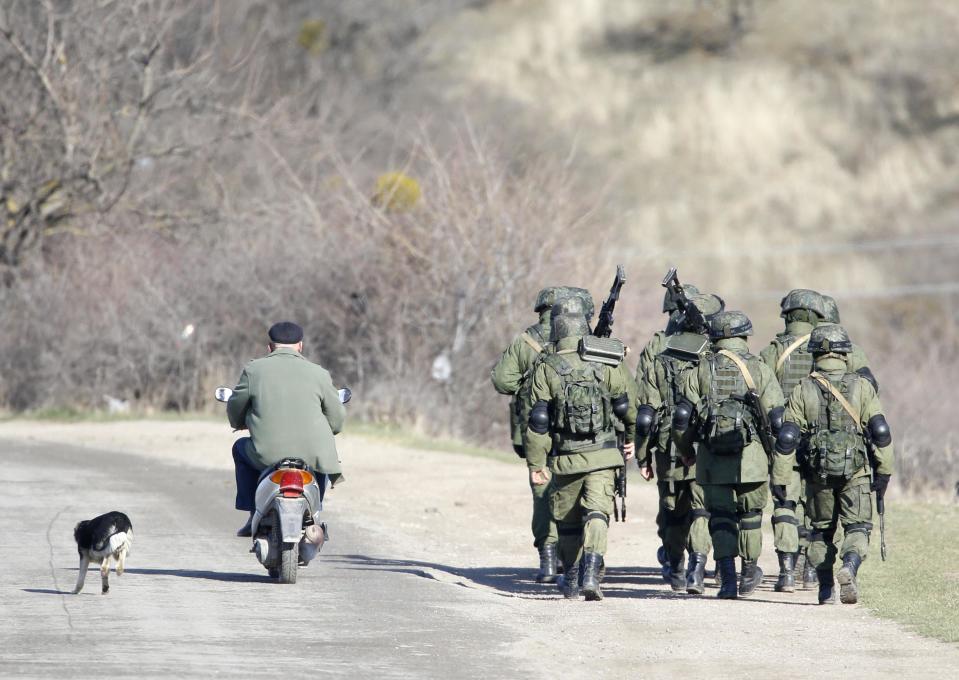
x=286, y=526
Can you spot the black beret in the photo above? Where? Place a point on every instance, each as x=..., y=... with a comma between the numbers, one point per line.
x=286, y=333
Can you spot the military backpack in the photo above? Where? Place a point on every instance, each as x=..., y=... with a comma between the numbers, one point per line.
x=729, y=425
x=584, y=407
x=683, y=353
x=522, y=403
x=836, y=444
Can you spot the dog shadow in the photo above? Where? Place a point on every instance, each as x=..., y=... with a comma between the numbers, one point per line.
x=46, y=591
x=506, y=581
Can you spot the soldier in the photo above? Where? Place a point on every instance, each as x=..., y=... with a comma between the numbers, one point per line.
x=848, y=439
x=791, y=361
x=571, y=428
x=647, y=360
x=681, y=504
x=512, y=375
x=732, y=465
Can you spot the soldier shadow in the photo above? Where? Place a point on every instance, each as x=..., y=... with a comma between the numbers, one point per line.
x=509, y=581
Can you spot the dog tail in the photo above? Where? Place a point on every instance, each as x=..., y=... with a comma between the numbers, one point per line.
x=121, y=539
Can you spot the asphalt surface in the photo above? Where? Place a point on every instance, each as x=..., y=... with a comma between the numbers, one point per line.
x=194, y=603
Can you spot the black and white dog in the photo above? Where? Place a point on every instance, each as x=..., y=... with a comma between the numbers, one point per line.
x=98, y=540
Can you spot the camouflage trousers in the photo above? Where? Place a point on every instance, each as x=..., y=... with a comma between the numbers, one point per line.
x=789, y=519
x=838, y=503
x=543, y=526
x=581, y=505
x=736, y=518
x=685, y=520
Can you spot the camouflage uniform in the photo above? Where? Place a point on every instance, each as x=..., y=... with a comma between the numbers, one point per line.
x=583, y=466
x=682, y=510
x=731, y=464
x=837, y=413
x=791, y=361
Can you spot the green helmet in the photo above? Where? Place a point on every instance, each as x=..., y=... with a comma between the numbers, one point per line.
x=568, y=318
x=669, y=304
x=707, y=303
x=803, y=298
x=829, y=338
x=729, y=325
x=545, y=299
x=563, y=292
x=831, y=314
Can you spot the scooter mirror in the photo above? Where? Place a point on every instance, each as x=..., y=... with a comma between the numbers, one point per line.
x=222, y=394
x=345, y=394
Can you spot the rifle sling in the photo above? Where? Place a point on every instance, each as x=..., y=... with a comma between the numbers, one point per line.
x=799, y=342
x=741, y=365
x=528, y=339
x=824, y=381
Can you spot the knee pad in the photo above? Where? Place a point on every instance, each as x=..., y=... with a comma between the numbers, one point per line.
x=645, y=419
x=696, y=513
x=596, y=514
x=749, y=521
x=785, y=519
x=620, y=406
x=859, y=528
x=879, y=429
x=539, y=418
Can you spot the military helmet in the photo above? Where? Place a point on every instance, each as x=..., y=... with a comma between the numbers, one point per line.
x=829, y=338
x=831, y=314
x=563, y=292
x=803, y=298
x=729, y=325
x=669, y=304
x=568, y=317
x=708, y=303
x=545, y=299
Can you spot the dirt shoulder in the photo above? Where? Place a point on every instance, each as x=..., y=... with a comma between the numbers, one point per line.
x=464, y=521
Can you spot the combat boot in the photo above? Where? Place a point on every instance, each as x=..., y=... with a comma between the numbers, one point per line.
x=568, y=582
x=848, y=588
x=826, y=583
x=593, y=562
x=663, y=558
x=809, y=577
x=726, y=568
x=750, y=579
x=800, y=560
x=787, y=573
x=677, y=575
x=547, y=564
x=696, y=574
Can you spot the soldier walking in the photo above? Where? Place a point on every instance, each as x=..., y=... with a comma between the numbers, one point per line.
x=847, y=456
x=571, y=445
x=732, y=465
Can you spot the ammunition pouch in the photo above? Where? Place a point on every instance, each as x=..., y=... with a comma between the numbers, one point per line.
x=609, y=351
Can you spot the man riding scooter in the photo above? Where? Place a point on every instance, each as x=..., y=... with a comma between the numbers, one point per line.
x=291, y=408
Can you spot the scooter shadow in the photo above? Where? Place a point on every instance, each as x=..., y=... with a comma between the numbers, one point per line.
x=509, y=581
x=227, y=576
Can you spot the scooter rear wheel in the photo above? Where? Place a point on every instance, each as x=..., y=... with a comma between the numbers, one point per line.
x=284, y=569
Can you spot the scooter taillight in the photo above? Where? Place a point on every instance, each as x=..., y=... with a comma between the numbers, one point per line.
x=291, y=483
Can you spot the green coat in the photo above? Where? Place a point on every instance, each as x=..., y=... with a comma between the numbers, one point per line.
x=291, y=409
x=547, y=386
x=803, y=407
x=752, y=465
x=514, y=368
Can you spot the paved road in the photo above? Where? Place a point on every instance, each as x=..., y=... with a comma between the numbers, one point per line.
x=194, y=603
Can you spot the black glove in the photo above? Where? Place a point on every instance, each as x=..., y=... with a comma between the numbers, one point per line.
x=779, y=493
x=879, y=485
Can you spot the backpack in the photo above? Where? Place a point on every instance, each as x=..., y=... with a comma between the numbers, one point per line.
x=729, y=424
x=683, y=352
x=583, y=408
x=522, y=402
x=836, y=444
x=795, y=362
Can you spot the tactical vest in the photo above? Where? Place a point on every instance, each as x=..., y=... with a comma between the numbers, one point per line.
x=523, y=400
x=836, y=444
x=582, y=409
x=683, y=352
x=797, y=365
x=729, y=424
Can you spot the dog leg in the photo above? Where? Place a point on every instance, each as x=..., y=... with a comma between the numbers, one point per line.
x=105, y=575
x=121, y=560
x=81, y=573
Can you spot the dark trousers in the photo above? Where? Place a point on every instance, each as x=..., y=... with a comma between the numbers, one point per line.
x=248, y=476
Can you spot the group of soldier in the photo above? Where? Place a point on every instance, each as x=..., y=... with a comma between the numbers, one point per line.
x=718, y=428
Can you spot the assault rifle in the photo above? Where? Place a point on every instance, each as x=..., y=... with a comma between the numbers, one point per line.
x=762, y=423
x=604, y=323
x=604, y=328
x=677, y=293
x=880, y=502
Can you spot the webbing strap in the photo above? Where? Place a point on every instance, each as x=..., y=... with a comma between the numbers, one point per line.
x=785, y=519
x=741, y=365
x=824, y=381
x=528, y=339
x=567, y=351
x=799, y=342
